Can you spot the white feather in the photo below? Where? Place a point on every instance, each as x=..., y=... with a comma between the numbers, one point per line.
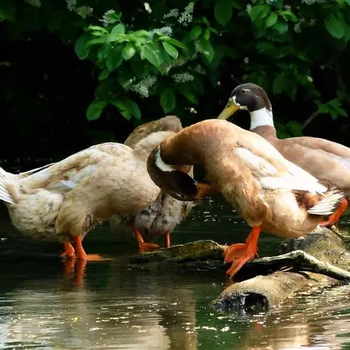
x=294, y=178
x=261, y=117
x=4, y=194
x=160, y=163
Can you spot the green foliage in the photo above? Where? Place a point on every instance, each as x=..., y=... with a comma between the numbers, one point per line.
x=175, y=56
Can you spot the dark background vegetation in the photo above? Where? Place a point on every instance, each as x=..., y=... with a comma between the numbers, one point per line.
x=63, y=83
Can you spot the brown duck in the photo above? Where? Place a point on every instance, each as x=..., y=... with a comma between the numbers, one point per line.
x=166, y=212
x=270, y=193
x=64, y=201
x=326, y=160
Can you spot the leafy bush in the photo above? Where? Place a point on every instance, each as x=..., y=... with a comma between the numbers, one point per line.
x=179, y=53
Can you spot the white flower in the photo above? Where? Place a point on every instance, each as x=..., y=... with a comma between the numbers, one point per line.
x=143, y=86
x=187, y=16
x=106, y=18
x=71, y=4
x=147, y=7
x=35, y=3
x=84, y=11
x=297, y=28
x=172, y=13
x=311, y=2
x=164, y=31
x=183, y=78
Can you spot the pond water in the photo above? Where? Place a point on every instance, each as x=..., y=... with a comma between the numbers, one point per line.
x=47, y=304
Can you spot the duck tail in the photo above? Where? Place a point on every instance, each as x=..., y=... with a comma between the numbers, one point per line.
x=4, y=193
x=328, y=203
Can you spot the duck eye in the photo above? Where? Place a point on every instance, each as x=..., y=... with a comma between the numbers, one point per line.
x=243, y=91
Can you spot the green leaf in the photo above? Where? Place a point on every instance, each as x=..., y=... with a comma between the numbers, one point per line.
x=152, y=54
x=106, y=88
x=295, y=128
x=95, y=109
x=279, y=84
x=271, y=20
x=104, y=51
x=289, y=16
x=259, y=11
x=80, y=48
x=125, y=77
x=337, y=106
x=118, y=29
x=173, y=42
x=223, y=11
x=168, y=100
x=115, y=58
x=133, y=108
x=98, y=29
x=334, y=26
x=128, y=51
x=122, y=107
x=103, y=75
x=186, y=90
x=196, y=32
x=281, y=26
x=171, y=50
x=205, y=48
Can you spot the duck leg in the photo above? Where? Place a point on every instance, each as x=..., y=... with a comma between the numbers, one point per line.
x=79, y=248
x=144, y=247
x=241, y=253
x=80, y=252
x=167, y=239
x=69, y=251
x=334, y=218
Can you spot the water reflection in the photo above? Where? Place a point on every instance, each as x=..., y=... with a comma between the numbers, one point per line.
x=48, y=304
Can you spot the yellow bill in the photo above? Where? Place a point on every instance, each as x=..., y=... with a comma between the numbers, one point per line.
x=230, y=108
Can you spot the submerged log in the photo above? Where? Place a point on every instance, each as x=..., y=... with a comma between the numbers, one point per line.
x=317, y=259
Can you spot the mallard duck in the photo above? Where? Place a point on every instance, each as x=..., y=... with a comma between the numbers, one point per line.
x=269, y=192
x=166, y=212
x=65, y=200
x=326, y=160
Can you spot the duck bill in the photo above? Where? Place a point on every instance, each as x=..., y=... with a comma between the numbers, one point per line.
x=230, y=108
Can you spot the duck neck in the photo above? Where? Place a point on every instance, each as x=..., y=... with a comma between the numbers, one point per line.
x=261, y=117
x=261, y=123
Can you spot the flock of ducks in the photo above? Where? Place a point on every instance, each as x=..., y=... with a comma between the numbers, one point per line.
x=283, y=187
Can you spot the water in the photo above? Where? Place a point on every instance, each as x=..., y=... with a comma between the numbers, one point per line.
x=48, y=304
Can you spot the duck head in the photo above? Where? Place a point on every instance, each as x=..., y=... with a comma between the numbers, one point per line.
x=251, y=98
x=172, y=179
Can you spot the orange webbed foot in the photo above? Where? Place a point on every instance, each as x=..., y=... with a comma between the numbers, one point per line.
x=69, y=251
x=148, y=247
x=334, y=218
x=240, y=253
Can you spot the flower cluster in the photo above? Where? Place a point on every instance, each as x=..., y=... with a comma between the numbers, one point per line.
x=186, y=17
x=164, y=31
x=311, y=2
x=264, y=1
x=143, y=86
x=108, y=18
x=84, y=11
x=35, y=3
x=183, y=78
x=71, y=5
x=173, y=13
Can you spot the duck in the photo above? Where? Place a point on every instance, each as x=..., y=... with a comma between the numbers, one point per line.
x=64, y=201
x=270, y=193
x=326, y=160
x=166, y=212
